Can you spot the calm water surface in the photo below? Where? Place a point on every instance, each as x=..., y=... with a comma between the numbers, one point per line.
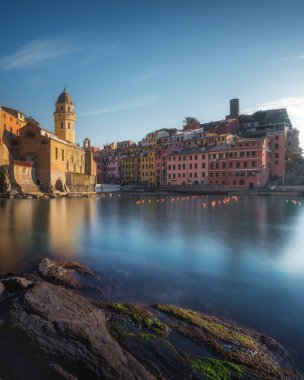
x=243, y=261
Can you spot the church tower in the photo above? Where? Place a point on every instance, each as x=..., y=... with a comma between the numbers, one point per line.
x=64, y=117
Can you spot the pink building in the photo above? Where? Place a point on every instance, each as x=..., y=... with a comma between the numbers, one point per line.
x=188, y=167
x=113, y=170
x=276, y=143
x=246, y=164
x=162, y=159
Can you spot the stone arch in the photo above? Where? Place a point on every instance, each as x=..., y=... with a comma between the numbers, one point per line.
x=59, y=185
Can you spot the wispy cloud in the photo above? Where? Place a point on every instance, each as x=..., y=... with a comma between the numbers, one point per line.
x=295, y=106
x=292, y=58
x=36, y=53
x=144, y=76
x=138, y=103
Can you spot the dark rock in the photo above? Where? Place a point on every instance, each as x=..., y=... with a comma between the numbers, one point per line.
x=16, y=284
x=2, y=288
x=56, y=273
x=54, y=333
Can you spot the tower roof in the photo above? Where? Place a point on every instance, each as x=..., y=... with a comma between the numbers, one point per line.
x=64, y=97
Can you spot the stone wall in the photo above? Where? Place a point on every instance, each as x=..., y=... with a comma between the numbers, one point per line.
x=77, y=182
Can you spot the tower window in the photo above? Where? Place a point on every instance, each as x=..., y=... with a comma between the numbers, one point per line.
x=68, y=109
x=61, y=108
x=56, y=153
x=62, y=155
x=61, y=125
x=69, y=125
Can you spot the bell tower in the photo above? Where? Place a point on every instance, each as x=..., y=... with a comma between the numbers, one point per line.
x=65, y=117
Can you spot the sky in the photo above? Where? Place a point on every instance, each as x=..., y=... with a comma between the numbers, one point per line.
x=135, y=66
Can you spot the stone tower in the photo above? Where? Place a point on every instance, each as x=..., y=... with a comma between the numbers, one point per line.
x=64, y=117
x=234, y=108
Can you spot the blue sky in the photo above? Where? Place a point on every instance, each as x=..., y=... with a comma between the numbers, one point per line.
x=133, y=66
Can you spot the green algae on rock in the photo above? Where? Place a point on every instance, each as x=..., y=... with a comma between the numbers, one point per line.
x=140, y=315
x=260, y=358
x=215, y=369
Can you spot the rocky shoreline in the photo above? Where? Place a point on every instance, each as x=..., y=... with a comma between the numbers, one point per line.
x=50, y=328
x=14, y=194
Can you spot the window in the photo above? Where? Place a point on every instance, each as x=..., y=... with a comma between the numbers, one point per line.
x=190, y=166
x=276, y=162
x=203, y=165
x=56, y=153
x=245, y=164
x=254, y=153
x=195, y=157
x=195, y=166
x=230, y=165
x=62, y=155
x=276, y=155
x=238, y=165
x=30, y=134
x=277, y=137
x=276, y=146
x=61, y=125
x=69, y=125
x=224, y=165
x=253, y=164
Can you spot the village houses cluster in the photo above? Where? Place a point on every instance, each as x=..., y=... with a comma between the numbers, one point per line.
x=241, y=151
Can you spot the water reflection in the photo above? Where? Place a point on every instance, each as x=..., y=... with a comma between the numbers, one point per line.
x=241, y=260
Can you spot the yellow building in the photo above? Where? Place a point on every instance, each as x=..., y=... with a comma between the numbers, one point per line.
x=129, y=170
x=58, y=163
x=147, y=168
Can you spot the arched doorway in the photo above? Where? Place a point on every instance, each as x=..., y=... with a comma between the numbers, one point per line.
x=59, y=186
x=251, y=186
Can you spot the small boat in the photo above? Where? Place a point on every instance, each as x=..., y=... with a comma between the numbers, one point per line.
x=107, y=188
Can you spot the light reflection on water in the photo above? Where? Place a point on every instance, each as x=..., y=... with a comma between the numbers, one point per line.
x=243, y=261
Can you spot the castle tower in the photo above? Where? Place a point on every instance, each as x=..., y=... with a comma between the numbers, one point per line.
x=234, y=108
x=64, y=117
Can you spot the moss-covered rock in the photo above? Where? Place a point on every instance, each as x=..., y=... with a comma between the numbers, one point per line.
x=215, y=369
x=140, y=315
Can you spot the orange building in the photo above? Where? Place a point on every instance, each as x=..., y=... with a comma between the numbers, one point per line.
x=11, y=121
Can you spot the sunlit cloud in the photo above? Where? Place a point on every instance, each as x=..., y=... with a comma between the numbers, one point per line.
x=295, y=109
x=36, y=53
x=138, y=103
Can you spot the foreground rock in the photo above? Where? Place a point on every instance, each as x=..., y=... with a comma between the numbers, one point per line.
x=49, y=330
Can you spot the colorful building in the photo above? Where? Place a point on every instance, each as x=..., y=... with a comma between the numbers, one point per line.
x=188, y=167
x=147, y=168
